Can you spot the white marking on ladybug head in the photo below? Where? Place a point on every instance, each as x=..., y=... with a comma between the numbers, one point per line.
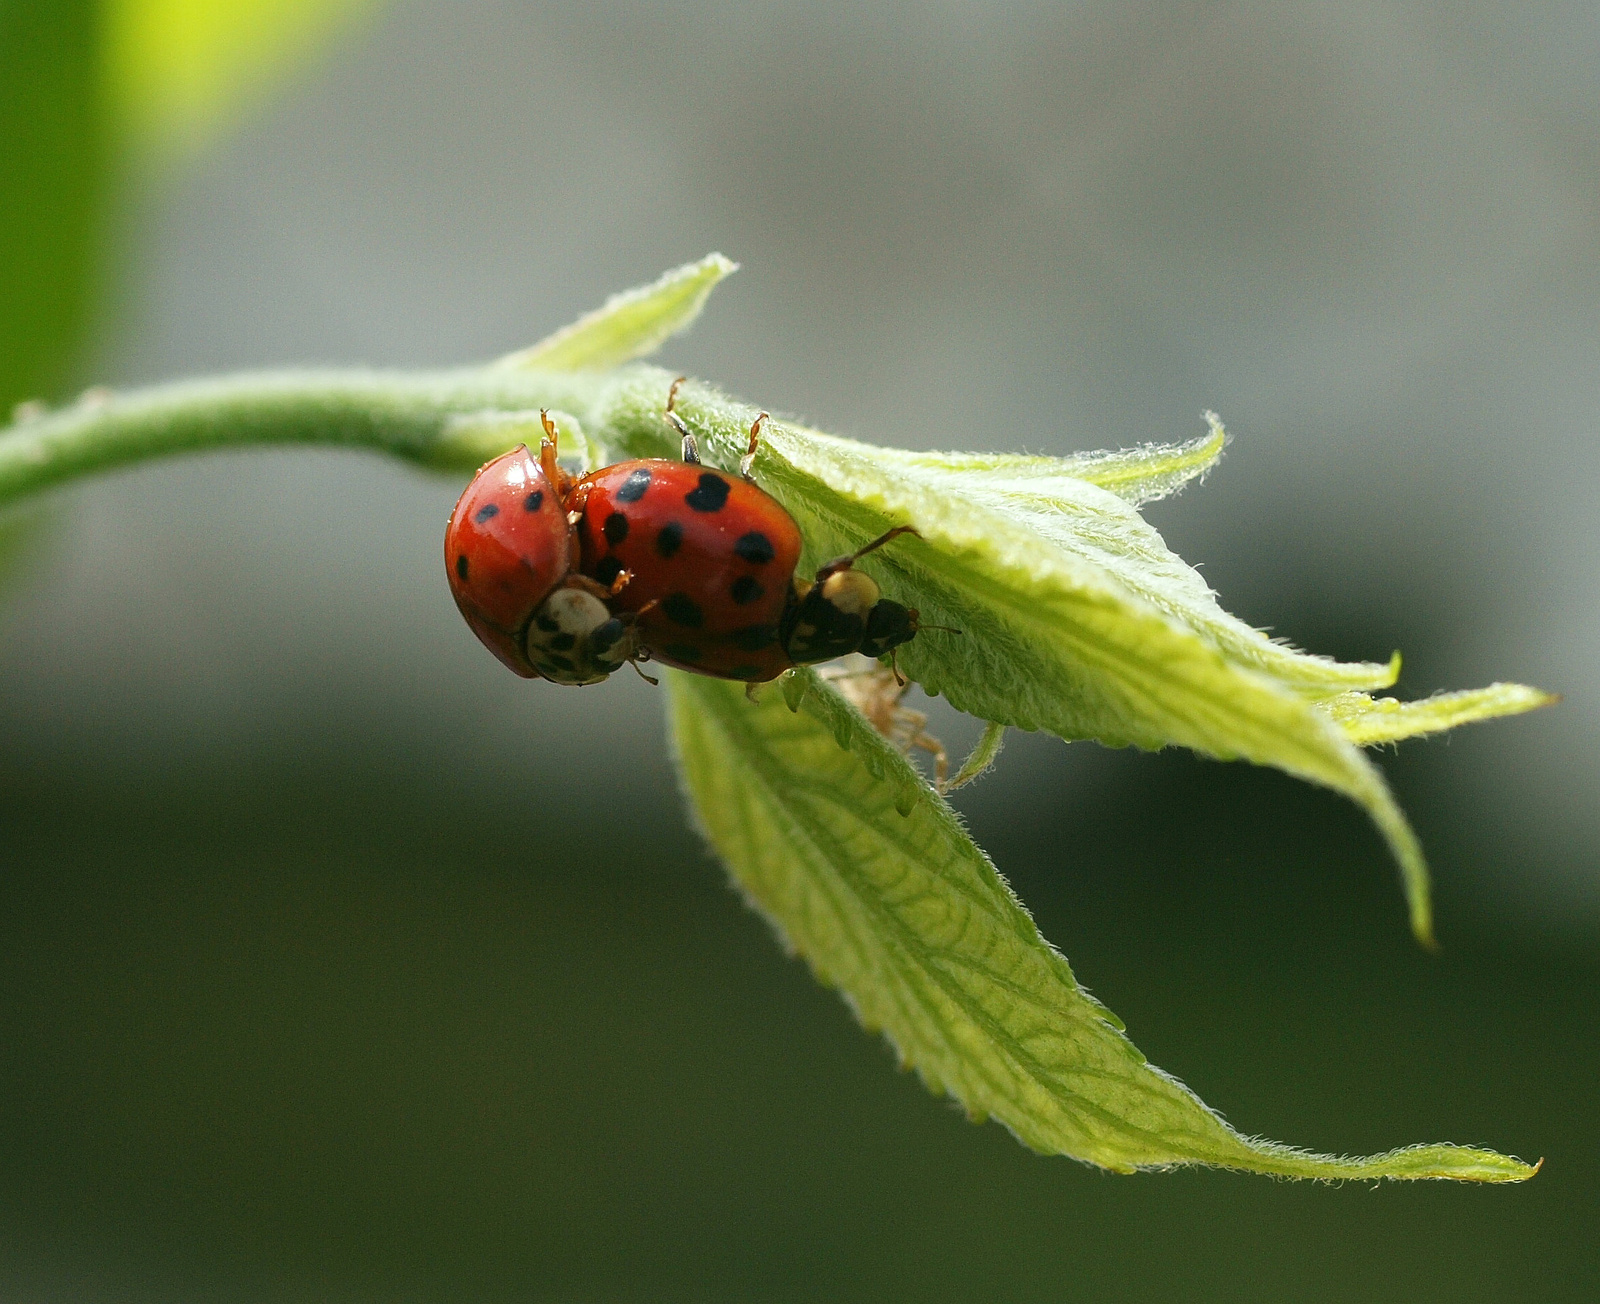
x=851, y=592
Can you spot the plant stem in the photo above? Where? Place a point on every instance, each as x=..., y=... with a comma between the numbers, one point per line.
x=418, y=416
x=451, y=421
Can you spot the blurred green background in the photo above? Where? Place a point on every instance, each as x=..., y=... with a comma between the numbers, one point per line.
x=336, y=963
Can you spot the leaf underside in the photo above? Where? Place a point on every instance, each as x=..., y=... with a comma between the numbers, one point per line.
x=876, y=885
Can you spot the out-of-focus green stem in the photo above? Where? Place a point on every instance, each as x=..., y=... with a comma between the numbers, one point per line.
x=423, y=417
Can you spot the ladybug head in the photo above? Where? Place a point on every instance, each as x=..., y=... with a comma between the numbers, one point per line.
x=574, y=639
x=888, y=626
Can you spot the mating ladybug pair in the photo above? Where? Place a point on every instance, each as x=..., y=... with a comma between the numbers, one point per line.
x=568, y=579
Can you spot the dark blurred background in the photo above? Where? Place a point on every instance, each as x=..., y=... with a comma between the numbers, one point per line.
x=336, y=963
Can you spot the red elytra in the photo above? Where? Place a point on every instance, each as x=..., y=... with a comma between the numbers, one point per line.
x=506, y=548
x=672, y=560
x=711, y=560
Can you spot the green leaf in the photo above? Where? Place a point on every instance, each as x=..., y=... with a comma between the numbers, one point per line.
x=1073, y=615
x=982, y=757
x=1136, y=475
x=867, y=874
x=629, y=325
x=1367, y=721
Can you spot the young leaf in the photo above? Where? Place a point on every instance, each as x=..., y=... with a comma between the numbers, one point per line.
x=1367, y=721
x=888, y=900
x=1136, y=475
x=629, y=325
x=983, y=755
x=1073, y=615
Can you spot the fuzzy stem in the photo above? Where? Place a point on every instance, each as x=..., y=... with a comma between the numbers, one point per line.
x=417, y=416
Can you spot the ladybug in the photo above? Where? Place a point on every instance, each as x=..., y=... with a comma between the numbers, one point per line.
x=509, y=556
x=709, y=562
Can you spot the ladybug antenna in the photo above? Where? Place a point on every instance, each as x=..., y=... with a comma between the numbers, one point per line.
x=691, y=450
x=895, y=667
x=845, y=563
x=649, y=679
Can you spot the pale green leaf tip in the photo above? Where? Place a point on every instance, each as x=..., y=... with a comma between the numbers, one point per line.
x=1368, y=721
x=629, y=325
x=981, y=758
x=1417, y=1163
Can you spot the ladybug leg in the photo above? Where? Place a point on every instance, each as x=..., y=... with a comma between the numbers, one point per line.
x=691, y=449
x=559, y=480
x=941, y=759
x=575, y=580
x=749, y=458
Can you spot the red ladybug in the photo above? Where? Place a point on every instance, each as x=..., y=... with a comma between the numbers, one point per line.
x=509, y=555
x=709, y=560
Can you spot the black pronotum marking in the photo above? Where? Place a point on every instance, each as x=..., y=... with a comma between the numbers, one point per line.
x=547, y=623
x=604, y=638
x=563, y=642
x=486, y=513
x=561, y=663
x=746, y=589
x=534, y=501
x=615, y=529
x=710, y=495
x=680, y=651
x=606, y=570
x=752, y=638
x=670, y=537
x=461, y=567
x=816, y=630
x=754, y=548
x=633, y=487
x=680, y=608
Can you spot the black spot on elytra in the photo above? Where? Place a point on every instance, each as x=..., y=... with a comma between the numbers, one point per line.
x=563, y=642
x=461, y=567
x=615, y=529
x=534, y=501
x=680, y=608
x=606, y=570
x=710, y=495
x=486, y=513
x=633, y=487
x=681, y=651
x=746, y=589
x=752, y=638
x=754, y=548
x=669, y=539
